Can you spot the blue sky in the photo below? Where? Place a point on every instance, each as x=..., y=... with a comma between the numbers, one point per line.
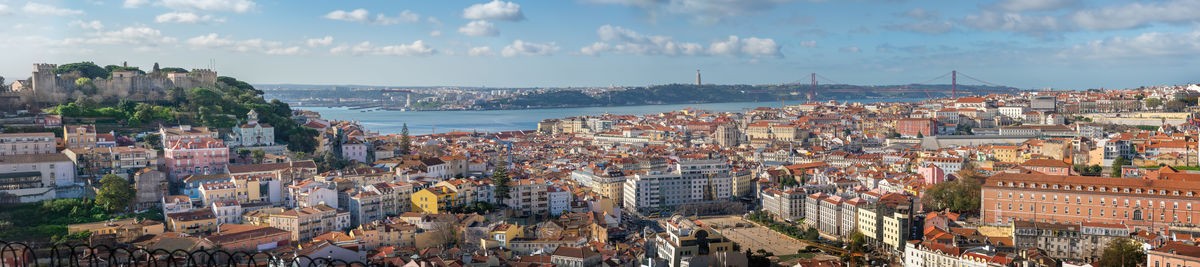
x=1069, y=44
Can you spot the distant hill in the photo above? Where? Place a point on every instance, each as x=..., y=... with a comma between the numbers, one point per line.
x=690, y=93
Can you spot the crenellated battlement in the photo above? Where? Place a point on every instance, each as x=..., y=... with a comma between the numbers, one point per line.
x=39, y=67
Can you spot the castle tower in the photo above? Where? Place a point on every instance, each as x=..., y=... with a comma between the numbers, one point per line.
x=698, y=78
x=44, y=79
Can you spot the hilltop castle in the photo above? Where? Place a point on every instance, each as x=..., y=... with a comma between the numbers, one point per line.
x=48, y=87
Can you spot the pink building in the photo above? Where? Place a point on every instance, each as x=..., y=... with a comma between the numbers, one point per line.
x=354, y=150
x=1174, y=254
x=189, y=156
x=931, y=174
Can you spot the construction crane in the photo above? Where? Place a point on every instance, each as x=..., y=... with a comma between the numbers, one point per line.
x=507, y=145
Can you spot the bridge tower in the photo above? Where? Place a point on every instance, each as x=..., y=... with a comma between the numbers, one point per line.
x=954, y=84
x=812, y=89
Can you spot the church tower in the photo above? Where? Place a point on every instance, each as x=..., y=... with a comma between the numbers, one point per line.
x=252, y=117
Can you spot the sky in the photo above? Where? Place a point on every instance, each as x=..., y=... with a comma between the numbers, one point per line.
x=1032, y=44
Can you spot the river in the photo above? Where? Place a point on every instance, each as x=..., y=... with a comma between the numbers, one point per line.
x=425, y=122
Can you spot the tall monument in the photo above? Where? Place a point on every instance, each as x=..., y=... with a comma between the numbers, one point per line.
x=698, y=77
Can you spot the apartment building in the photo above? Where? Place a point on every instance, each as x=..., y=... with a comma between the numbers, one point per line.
x=193, y=150
x=26, y=143
x=529, y=196
x=122, y=161
x=306, y=223
x=79, y=136
x=36, y=177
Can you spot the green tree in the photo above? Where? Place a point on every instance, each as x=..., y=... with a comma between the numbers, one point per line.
x=500, y=181
x=1122, y=252
x=960, y=195
x=1153, y=103
x=1175, y=105
x=259, y=155
x=243, y=153
x=788, y=181
x=858, y=242
x=176, y=95
x=86, y=69
x=405, y=140
x=174, y=70
x=1117, y=164
x=114, y=193
x=154, y=140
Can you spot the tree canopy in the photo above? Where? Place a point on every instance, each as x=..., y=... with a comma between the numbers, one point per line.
x=86, y=69
x=115, y=194
x=1122, y=252
x=500, y=180
x=961, y=195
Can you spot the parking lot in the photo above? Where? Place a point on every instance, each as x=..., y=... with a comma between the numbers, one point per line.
x=754, y=237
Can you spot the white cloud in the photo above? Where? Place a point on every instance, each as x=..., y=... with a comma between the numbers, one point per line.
x=434, y=21
x=409, y=16
x=186, y=17
x=1136, y=15
x=236, y=6
x=701, y=11
x=94, y=25
x=417, y=48
x=480, y=51
x=363, y=16
x=595, y=49
x=1013, y=22
x=926, y=27
x=135, y=3
x=357, y=15
x=344, y=49
x=136, y=35
x=1034, y=5
x=479, y=28
x=320, y=42
x=1150, y=45
x=523, y=48
x=215, y=41
x=626, y=41
x=752, y=46
x=494, y=10
x=291, y=50
x=435, y=33
x=4, y=10
x=850, y=49
x=44, y=9
x=809, y=43
x=921, y=13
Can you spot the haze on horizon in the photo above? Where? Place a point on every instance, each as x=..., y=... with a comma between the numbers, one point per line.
x=1068, y=44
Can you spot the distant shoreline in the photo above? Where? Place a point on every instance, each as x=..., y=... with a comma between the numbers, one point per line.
x=373, y=109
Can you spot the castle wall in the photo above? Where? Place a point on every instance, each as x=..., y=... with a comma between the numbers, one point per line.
x=50, y=87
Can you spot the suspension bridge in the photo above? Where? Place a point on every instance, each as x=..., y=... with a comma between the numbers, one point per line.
x=928, y=87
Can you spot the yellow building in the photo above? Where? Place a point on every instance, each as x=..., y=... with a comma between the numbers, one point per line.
x=124, y=230
x=192, y=222
x=1007, y=153
x=433, y=200
x=502, y=234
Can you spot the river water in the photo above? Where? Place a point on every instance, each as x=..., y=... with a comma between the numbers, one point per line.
x=425, y=122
